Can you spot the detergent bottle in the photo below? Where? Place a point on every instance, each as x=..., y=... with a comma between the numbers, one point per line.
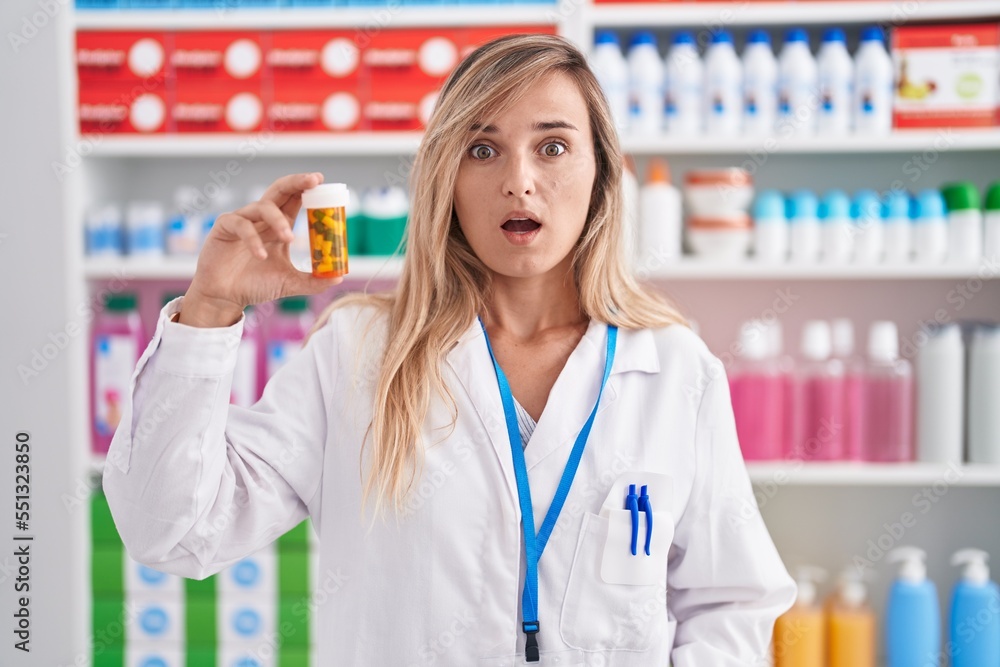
x=974, y=627
x=800, y=633
x=913, y=619
x=850, y=623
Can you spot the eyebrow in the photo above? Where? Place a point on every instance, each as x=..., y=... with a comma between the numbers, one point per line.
x=540, y=126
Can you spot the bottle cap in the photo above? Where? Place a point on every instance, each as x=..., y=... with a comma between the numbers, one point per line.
x=816, y=340
x=121, y=302
x=976, y=572
x=929, y=205
x=769, y=207
x=866, y=207
x=853, y=591
x=643, y=37
x=796, y=35
x=896, y=206
x=836, y=205
x=802, y=205
x=776, y=338
x=722, y=37
x=913, y=569
x=806, y=578
x=606, y=37
x=754, y=341
x=872, y=33
x=842, y=330
x=327, y=195
x=658, y=171
x=293, y=304
x=993, y=197
x=758, y=36
x=684, y=37
x=962, y=196
x=883, y=341
x=834, y=35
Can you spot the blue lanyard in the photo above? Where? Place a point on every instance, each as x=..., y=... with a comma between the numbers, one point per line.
x=533, y=546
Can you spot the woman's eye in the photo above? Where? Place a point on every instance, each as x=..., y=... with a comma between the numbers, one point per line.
x=553, y=149
x=482, y=152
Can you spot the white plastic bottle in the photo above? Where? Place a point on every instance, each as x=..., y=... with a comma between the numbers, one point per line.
x=836, y=230
x=770, y=228
x=803, y=222
x=940, y=369
x=930, y=228
x=869, y=235
x=965, y=222
x=645, y=86
x=760, y=85
x=683, y=86
x=798, y=78
x=723, y=92
x=873, y=81
x=984, y=395
x=660, y=217
x=898, y=228
x=836, y=80
x=611, y=71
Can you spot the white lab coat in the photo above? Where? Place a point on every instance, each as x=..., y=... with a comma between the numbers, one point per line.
x=196, y=484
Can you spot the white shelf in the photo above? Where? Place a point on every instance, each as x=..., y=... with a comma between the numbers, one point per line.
x=332, y=17
x=940, y=140
x=798, y=473
x=182, y=268
x=237, y=145
x=708, y=15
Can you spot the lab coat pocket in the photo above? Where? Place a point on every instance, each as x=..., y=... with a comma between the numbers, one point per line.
x=602, y=614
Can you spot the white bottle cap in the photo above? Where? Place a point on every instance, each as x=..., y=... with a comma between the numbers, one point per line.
x=806, y=577
x=853, y=591
x=977, y=572
x=755, y=342
x=816, y=340
x=327, y=195
x=913, y=570
x=883, y=341
x=776, y=338
x=843, y=337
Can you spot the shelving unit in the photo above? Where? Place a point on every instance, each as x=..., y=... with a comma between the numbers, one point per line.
x=801, y=473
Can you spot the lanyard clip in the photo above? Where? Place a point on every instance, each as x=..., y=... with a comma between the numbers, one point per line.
x=645, y=506
x=632, y=503
x=530, y=640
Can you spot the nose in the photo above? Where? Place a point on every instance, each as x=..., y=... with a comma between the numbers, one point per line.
x=518, y=177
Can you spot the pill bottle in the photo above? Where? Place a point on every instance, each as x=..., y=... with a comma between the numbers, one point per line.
x=326, y=214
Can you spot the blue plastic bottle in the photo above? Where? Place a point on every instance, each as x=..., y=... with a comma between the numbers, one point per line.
x=974, y=629
x=913, y=618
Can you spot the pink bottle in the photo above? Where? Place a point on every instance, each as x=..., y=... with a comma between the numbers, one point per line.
x=247, y=385
x=887, y=398
x=287, y=331
x=818, y=420
x=117, y=341
x=757, y=385
x=854, y=372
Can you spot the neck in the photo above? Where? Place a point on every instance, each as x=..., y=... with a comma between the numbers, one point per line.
x=525, y=308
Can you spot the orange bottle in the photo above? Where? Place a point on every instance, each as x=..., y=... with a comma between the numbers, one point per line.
x=326, y=215
x=851, y=627
x=800, y=633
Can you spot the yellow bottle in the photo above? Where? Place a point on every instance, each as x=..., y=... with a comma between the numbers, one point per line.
x=851, y=623
x=800, y=633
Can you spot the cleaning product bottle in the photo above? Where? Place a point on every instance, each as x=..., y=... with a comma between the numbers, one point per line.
x=974, y=626
x=930, y=228
x=116, y=342
x=611, y=71
x=940, y=403
x=757, y=386
x=836, y=232
x=803, y=224
x=887, y=403
x=723, y=92
x=797, y=83
x=869, y=233
x=287, y=332
x=684, y=83
x=842, y=330
x=800, y=633
x=913, y=617
x=991, y=223
x=770, y=227
x=760, y=85
x=851, y=627
x=819, y=398
x=984, y=395
x=897, y=228
x=645, y=84
x=873, y=84
x=836, y=78
x=660, y=216
x=965, y=222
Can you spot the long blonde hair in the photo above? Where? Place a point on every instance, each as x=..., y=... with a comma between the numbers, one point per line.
x=444, y=286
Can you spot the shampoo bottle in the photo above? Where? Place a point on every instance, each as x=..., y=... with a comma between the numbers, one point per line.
x=851, y=624
x=974, y=627
x=913, y=619
x=800, y=633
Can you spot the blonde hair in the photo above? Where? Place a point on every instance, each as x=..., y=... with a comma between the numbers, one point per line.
x=444, y=285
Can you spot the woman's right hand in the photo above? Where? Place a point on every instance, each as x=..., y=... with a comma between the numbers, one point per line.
x=245, y=259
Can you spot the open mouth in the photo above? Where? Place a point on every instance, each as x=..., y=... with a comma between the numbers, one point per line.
x=520, y=225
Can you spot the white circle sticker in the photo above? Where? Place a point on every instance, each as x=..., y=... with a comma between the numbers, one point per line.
x=437, y=56
x=426, y=109
x=339, y=57
x=243, y=58
x=147, y=113
x=341, y=111
x=244, y=111
x=146, y=57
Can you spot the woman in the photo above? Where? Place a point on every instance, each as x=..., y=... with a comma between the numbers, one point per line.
x=515, y=357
